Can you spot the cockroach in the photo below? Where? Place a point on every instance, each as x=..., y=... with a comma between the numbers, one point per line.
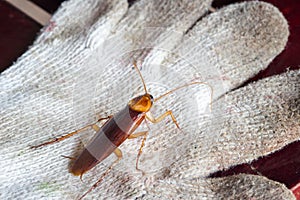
x=115, y=131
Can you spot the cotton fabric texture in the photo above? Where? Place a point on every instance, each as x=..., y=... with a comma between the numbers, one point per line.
x=81, y=68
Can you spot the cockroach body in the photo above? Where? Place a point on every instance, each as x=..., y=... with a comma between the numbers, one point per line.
x=115, y=131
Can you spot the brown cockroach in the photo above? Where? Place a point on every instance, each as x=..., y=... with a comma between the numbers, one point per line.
x=115, y=131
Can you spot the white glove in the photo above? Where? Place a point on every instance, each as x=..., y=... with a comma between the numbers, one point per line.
x=82, y=67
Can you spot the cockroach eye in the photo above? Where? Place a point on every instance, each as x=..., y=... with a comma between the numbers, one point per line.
x=151, y=97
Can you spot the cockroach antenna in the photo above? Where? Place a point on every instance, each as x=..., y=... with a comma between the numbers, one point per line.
x=140, y=74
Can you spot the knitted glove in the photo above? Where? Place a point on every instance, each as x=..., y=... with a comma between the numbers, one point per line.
x=80, y=68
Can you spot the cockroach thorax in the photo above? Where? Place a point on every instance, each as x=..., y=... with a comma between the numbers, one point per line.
x=141, y=103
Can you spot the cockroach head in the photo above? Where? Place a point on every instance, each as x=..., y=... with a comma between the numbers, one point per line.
x=141, y=103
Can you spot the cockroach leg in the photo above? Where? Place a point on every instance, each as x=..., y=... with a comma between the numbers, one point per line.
x=118, y=153
x=136, y=135
x=139, y=134
x=150, y=117
x=55, y=140
x=69, y=157
x=96, y=127
x=103, y=118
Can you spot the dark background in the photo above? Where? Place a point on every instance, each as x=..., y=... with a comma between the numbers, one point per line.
x=17, y=33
